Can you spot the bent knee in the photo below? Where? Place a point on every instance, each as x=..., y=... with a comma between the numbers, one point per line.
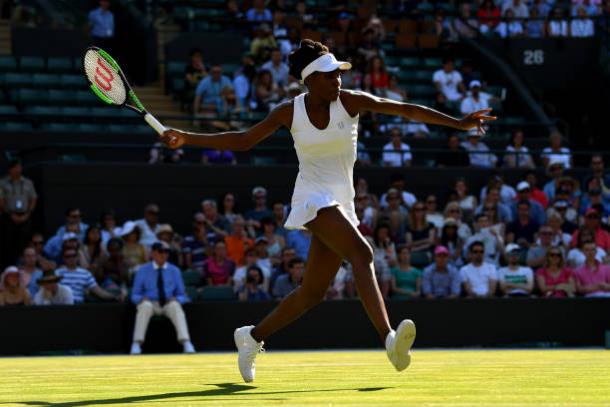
x=362, y=254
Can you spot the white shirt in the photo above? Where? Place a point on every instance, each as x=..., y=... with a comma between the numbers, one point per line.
x=394, y=158
x=576, y=257
x=449, y=83
x=408, y=198
x=470, y=105
x=558, y=28
x=564, y=158
x=279, y=73
x=520, y=276
x=479, y=277
x=63, y=296
x=521, y=160
x=512, y=29
x=148, y=236
x=582, y=28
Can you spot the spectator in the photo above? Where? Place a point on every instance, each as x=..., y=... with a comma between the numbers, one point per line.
x=491, y=237
x=554, y=279
x=275, y=242
x=557, y=26
x=299, y=240
x=560, y=238
x=378, y=74
x=286, y=283
x=535, y=193
x=542, y=7
x=582, y=26
x=219, y=268
x=208, y=94
x=576, y=256
x=416, y=129
x=396, y=215
x=441, y=279
x=74, y=223
x=158, y=289
x=592, y=223
x=51, y=292
x=194, y=73
x=263, y=43
x=489, y=16
x=70, y=241
x=260, y=246
x=454, y=156
x=537, y=254
x=17, y=203
x=534, y=27
x=450, y=239
x=42, y=261
x=395, y=92
x=149, y=225
x=288, y=254
x=244, y=77
x=537, y=212
x=568, y=215
x=515, y=280
x=374, y=23
x=253, y=289
x=367, y=49
x=475, y=100
x=258, y=13
x=101, y=24
x=592, y=278
x=217, y=157
x=448, y=81
x=421, y=234
x=479, y=278
x=278, y=69
x=384, y=254
x=517, y=155
x=509, y=28
x=397, y=181
x=195, y=245
x=280, y=32
x=230, y=107
x=491, y=201
x=12, y=291
x=108, y=226
x=466, y=25
x=80, y=281
x=555, y=171
x=362, y=157
x=598, y=173
x=522, y=230
x=433, y=216
x=216, y=223
x=307, y=18
x=238, y=242
x=228, y=207
x=260, y=210
x=498, y=190
x=594, y=199
x=478, y=152
x=268, y=93
x=94, y=252
x=134, y=252
x=590, y=7
x=396, y=153
x=114, y=272
x=518, y=8
x=406, y=279
x=454, y=211
x=161, y=154
x=166, y=234
x=468, y=203
x=556, y=153
x=28, y=271
x=241, y=273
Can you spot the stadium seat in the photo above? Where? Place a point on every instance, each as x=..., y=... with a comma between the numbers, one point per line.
x=119, y=128
x=175, y=68
x=45, y=80
x=30, y=96
x=15, y=126
x=229, y=69
x=31, y=64
x=73, y=81
x=177, y=85
x=8, y=64
x=191, y=292
x=422, y=91
x=435, y=63
x=59, y=65
x=16, y=80
x=407, y=26
x=428, y=41
x=72, y=158
x=405, y=41
x=87, y=98
x=90, y=128
x=75, y=111
x=420, y=259
x=103, y=112
x=42, y=110
x=60, y=127
x=423, y=76
x=8, y=109
x=191, y=277
x=212, y=293
x=61, y=97
x=410, y=62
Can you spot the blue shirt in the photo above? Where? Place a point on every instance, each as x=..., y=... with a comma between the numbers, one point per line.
x=441, y=283
x=33, y=285
x=210, y=91
x=79, y=280
x=253, y=15
x=299, y=241
x=145, y=283
x=537, y=212
x=102, y=23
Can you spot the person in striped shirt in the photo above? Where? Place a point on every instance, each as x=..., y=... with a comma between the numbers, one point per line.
x=81, y=281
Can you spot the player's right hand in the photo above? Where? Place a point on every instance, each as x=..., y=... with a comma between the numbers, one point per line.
x=173, y=138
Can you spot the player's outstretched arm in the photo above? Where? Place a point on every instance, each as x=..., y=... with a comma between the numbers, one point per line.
x=362, y=101
x=233, y=140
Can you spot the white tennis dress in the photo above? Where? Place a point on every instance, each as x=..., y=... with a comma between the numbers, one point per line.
x=326, y=164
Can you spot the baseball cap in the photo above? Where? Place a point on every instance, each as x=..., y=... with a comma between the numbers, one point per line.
x=69, y=236
x=523, y=185
x=475, y=84
x=441, y=250
x=261, y=239
x=555, y=161
x=512, y=247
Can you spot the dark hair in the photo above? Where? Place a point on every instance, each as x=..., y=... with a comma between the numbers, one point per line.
x=195, y=51
x=98, y=247
x=476, y=243
x=71, y=209
x=396, y=176
x=114, y=243
x=381, y=225
x=258, y=270
x=296, y=260
x=524, y=202
x=307, y=52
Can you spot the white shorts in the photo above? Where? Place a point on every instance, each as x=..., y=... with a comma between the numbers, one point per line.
x=305, y=209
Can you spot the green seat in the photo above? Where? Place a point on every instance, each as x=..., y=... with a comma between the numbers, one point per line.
x=31, y=64
x=61, y=97
x=72, y=81
x=73, y=158
x=8, y=109
x=423, y=76
x=420, y=259
x=90, y=128
x=177, y=84
x=44, y=80
x=59, y=65
x=87, y=98
x=229, y=69
x=60, y=127
x=256, y=160
x=422, y=91
x=42, y=110
x=175, y=68
x=16, y=80
x=433, y=63
x=76, y=111
x=409, y=61
x=191, y=291
x=30, y=96
x=191, y=277
x=8, y=64
x=124, y=113
x=119, y=128
x=15, y=126
x=406, y=75
x=212, y=293
x=142, y=129
x=103, y=112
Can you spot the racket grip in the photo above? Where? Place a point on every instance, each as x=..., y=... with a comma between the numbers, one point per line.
x=154, y=123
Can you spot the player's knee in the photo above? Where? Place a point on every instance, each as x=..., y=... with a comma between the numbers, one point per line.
x=362, y=255
x=145, y=306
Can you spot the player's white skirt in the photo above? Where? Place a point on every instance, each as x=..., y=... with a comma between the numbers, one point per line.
x=306, y=204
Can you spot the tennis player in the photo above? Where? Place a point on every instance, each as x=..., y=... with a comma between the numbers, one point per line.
x=324, y=126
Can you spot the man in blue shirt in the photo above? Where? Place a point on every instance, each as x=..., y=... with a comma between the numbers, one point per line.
x=208, y=95
x=286, y=283
x=441, y=279
x=158, y=289
x=101, y=21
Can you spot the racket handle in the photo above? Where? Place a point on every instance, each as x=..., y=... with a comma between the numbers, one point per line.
x=154, y=123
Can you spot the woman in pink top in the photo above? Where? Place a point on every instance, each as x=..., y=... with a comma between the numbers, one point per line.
x=218, y=268
x=555, y=280
x=592, y=278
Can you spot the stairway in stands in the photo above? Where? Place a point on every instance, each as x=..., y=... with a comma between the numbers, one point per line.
x=155, y=100
x=5, y=38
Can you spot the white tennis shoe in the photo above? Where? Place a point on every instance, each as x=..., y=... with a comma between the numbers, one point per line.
x=398, y=344
x=247, y=349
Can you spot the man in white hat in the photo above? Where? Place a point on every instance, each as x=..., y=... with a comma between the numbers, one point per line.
x=475, y=100
x=515, y=280
x=478, y=152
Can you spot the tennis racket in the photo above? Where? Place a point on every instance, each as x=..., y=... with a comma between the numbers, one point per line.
x=108, y=82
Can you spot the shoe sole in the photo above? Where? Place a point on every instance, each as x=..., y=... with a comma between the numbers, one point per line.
x=239, y=364
x=405, y=336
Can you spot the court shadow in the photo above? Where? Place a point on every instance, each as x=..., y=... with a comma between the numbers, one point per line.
x=223, y=389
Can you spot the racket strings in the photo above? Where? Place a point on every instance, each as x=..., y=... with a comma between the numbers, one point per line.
x=104, y=77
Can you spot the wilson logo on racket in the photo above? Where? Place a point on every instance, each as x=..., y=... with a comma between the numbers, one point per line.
x=107, y=86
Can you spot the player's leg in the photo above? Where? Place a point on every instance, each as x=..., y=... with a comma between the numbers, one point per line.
x=321, y=267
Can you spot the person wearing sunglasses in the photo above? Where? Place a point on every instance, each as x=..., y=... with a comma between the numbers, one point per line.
x=478, y=278
x=592, y=222
x=536, y=255
x=592, y=278
x=554, y=279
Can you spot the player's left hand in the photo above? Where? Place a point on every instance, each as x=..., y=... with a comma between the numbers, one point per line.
x=476, y=120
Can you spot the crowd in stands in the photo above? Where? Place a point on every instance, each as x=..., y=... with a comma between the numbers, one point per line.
x=527, y=239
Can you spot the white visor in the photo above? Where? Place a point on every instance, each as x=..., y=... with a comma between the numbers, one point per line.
x=325, y=63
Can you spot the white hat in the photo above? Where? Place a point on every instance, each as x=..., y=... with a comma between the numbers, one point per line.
x=324, y=63
x=475, y=83
x=555, y=161
x=523, y=185
x=69, y=236
x=11, y=269
x=511, y=247
x=127, y=228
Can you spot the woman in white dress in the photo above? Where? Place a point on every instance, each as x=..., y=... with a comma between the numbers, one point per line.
x=324, y=126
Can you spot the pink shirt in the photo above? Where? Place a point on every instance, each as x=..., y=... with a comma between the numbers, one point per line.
x=562, y=278
x=586, y=275
x=602, y=238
